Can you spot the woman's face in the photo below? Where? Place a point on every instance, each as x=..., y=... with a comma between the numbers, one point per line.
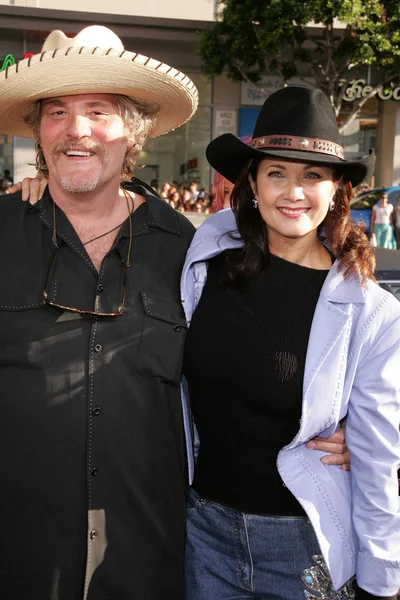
x=293, y=198
x=384, y=200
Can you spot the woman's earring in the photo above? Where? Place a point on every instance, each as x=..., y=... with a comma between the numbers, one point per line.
x=254, y=203
x=331, y=204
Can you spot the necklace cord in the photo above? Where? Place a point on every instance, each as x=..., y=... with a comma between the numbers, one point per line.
x=54, y=234
x=127, y=198
x=103, y=234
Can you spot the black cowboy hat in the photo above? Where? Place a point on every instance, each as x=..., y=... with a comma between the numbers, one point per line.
x=295, y=123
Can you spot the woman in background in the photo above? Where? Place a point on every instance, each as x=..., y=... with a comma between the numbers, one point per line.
x=397, y=222
x=382, y=218
x=222, y=188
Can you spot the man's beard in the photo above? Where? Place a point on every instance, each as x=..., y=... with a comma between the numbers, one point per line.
x=80, y=183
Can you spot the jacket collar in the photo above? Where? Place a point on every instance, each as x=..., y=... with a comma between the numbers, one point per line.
x=219, y=233
x=339, y=290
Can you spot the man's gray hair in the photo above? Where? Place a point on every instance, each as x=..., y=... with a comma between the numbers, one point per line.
x=139, y=119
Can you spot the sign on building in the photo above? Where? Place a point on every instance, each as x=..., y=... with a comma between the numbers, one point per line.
x=226, y=121
x=256, y=96
x=358, y=88
x=355, y=90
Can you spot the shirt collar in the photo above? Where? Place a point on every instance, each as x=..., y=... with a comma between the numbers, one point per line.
x=154, y=213
x=158, y=214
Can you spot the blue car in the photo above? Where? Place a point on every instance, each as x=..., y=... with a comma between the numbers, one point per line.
x=361, y=205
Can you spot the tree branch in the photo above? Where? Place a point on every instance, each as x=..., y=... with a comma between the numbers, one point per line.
x=339, y=97
x=237, y=64
x=256, y=32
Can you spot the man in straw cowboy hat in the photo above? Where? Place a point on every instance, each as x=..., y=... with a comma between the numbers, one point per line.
x=91, y=332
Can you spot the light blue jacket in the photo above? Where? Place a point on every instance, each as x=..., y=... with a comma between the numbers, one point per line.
x=352, y=368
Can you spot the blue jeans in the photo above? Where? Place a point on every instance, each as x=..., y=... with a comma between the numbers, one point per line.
x=232, y=555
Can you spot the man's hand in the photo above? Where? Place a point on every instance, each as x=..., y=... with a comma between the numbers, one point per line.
x=336, y=445
x=32, y=188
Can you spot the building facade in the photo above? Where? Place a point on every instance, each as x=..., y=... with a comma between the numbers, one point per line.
x=169, y=32
x=166, y=31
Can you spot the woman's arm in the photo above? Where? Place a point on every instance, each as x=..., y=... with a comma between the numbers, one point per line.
x=374, y=442
x=392, y=214
x=373, y=217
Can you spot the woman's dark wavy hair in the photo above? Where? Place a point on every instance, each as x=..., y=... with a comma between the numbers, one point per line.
x=346, y=241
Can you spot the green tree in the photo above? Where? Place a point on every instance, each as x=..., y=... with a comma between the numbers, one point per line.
x=251, y=38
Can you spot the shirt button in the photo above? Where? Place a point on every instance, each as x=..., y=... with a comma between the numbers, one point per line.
x=96, y=411
x=177, y=328
x=93, y=534
x=98, y=348
x=94, y=472
x=100, y=288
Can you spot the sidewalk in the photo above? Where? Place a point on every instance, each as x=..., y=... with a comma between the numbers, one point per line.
x=196, y=218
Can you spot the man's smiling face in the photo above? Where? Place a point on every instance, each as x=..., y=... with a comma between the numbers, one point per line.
x=84, y=141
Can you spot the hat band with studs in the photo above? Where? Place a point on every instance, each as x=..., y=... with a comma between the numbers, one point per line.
x=294, y=142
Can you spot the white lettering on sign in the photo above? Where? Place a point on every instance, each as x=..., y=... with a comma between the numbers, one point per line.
x=225, y=122
x=255, y=95
x=358, y=88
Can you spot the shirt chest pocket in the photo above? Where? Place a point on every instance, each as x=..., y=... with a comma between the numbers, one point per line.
x=26, y=327
x=163, y=337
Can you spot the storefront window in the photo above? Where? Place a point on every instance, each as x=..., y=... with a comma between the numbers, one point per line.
x=180, y=154
x=360, y=135
x=6, y=157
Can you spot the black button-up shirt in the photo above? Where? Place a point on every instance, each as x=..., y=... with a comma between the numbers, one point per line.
x=92, y=477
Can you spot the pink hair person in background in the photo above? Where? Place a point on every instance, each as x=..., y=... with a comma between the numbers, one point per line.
x=221, y=188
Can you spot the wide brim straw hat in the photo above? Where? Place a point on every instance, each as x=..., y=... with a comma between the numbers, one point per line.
x=94, y=62
x=295, y=123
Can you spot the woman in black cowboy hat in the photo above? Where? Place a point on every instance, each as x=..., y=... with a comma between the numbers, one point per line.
x=282, y=287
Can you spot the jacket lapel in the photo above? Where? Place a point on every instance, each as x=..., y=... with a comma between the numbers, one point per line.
x=217, y=234
x=327, y=354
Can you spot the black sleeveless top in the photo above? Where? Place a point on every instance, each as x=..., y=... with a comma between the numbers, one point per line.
x=244, y=361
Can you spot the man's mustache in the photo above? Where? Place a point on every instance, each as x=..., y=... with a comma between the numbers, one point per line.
x=81, y=146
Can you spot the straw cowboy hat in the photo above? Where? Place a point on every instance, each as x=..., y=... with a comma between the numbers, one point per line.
x=94, y=62
x=296, y=123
